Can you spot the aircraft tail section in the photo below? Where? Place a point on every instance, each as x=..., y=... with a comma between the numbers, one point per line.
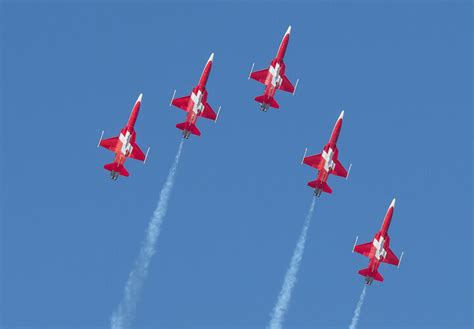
x=191, y=127
x=367, y=272
x=313, y=184
x=117, y=168
x=320, y=185
x=326, y=188
x=264, y=99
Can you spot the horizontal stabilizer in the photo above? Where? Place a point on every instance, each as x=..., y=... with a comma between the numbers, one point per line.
x=186, y=126
x=365, y=272
x=313, y=184
x=264, y=99
x=272, y=102
x=261, y=99
x=117, y=168
x=320, y=185
x=368, y=273
x=326, y=188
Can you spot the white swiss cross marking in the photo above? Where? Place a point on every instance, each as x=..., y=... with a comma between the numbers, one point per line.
x=275, y=72
x=328, y=163
x=380, y=251
x=126, y=146
x=198, y=106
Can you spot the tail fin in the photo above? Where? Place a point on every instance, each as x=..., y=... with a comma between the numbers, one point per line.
x=322, y=185
x=117, y=168
x=191, y=127
x=267, y=100
x=367, y=272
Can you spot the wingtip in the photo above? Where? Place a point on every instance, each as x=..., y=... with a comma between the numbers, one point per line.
x=289, y=30
x=211, y=58
x=140, y=97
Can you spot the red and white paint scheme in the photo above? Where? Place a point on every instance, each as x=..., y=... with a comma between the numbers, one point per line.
x=327, y=162
x=378, y=251
x=274, y=77
x=124, y=145
x=196, y=104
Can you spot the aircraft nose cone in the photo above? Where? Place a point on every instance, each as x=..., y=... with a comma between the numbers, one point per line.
x=392, y=205
x=341, y=116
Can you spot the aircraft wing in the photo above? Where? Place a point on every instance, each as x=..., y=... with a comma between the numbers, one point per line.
x=137, y=153
x=339, y=170
x=208, y=112
x=286, y=85
x=110, y=143
x=390, y=258
x=260, y=76
x=363, y=249
x=313, y=161
x=181, y=102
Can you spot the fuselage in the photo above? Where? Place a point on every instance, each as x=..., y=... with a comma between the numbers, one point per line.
x=124, y=148
x=276, y=69
x=199, y=95
x=196, y=104
x=378, y=252
x=330, y=155
x=127, y=136
x=380, y=246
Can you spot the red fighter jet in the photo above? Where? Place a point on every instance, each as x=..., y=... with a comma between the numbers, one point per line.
x=326, y=162
x=124, y=145
x=196, y=104
x=378, y=251
x=274, y=77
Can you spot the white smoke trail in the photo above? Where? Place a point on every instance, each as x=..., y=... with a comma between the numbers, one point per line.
x=284, y=297
x=355, y=318
x=125, y=312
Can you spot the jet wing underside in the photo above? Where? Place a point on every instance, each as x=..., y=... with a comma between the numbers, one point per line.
x=286, y=85
x=391, y=258
x=260, y=76
x=364, y=249
x=181, y=102
x=110, y=143
x=208, y=112
x=137, y=153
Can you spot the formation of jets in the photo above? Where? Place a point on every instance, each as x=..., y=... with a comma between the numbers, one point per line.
x=327, y=162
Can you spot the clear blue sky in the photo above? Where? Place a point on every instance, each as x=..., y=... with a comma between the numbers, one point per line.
x=402, y=71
